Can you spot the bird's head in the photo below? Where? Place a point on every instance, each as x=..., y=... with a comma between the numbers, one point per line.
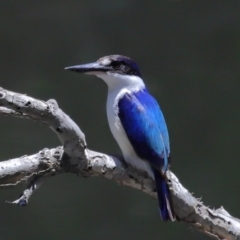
x=116, y=70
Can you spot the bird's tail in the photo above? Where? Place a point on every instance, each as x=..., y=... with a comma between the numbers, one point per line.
x=164, y=197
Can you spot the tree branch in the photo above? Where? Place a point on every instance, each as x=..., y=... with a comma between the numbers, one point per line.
x=74, y=157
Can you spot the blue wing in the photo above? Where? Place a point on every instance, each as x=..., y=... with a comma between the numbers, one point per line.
x=145, y=127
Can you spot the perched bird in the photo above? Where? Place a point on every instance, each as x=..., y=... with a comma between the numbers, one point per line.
x=136, y=122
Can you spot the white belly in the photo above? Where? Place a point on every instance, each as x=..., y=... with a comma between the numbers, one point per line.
x=120, y=135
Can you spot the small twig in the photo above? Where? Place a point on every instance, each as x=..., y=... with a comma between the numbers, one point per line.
x=27, y=193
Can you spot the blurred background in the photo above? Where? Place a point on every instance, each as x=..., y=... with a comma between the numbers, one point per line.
x=188, y=53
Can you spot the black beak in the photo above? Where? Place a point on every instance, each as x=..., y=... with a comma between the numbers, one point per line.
x=87, y=68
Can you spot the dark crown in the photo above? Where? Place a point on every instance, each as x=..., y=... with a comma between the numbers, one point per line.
x=120, y=64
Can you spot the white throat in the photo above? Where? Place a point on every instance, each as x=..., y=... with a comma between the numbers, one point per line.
x=117, y=81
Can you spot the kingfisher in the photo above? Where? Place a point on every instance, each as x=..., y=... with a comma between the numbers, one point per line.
x=136, y=122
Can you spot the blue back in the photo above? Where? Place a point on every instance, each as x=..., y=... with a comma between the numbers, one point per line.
x=145, y=127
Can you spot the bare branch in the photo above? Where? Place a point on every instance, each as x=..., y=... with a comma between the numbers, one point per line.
x=24, y=168
x=74, y=157
x=20, y=105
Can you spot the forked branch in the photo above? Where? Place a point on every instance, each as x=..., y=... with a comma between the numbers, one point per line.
x=74, y=157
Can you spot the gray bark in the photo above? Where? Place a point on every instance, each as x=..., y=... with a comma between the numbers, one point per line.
x=74, y=157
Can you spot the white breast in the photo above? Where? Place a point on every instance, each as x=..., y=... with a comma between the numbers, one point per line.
x=120, y=134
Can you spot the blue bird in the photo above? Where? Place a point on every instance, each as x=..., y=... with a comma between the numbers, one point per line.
x=136, y=122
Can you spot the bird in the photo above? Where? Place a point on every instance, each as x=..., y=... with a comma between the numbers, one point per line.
x=136, y=122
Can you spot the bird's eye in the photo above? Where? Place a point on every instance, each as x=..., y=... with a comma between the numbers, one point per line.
x=116, y=65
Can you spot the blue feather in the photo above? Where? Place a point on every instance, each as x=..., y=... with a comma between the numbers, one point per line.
x=145, y=127
x=144, y=124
